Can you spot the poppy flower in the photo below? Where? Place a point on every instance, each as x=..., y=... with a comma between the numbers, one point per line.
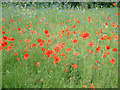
x=107, y=52
x=19, y=29
x=68, y=49
x=78, y=21
x=74, y=26
x=74, y=66
x=91, y=85
x=61, y=23
x=3, y=32
x=75, y=41
x=116, y=37
x=26, y=56
x=98, y=49
x=46, y=32
x=43, y=49
x=41, y=44
x=12, y=44
x=114, y=4
x=97, y=61
x=47, y=35
x=16, y=54
x=85, y=35
x=12, y=20
x=76, y=53
x=108, y=47
x=115, y=49
x=91, y=44
x=5, y=43
x=62, y=31
x=49, y=41
x=65, y=70
x=57, y=49
x=39, y=40
x=37, y=63
x=68, y=20
x=104, y=55
x=106, y=24
x=18, y=59
x=109, y=38
x=89, y=17
x=85, y=86
x=10, y=48
x=42, y=18
x=4, y=37
x=57, y=59
x=12, y=39
x=117, y=14
x=62, y=54
x=34, y=45
x=102, y=38
x=31, y=7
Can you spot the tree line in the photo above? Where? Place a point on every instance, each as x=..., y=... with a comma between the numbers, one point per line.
x=65, y=4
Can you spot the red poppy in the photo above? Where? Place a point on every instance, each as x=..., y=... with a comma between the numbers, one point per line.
x=3, y=32
x=108, y=47
x=41, y=44
x=19, y=29
x=74, y=66
x=109, y=38
x=12, y=44
x=75, y=41
x=63, y=31
x=46, y=32
x=104, y=55
x=39, y=40
x=4, y=37
x=116, y=37
x=18, y=59
x=89, y=17
x=26, y=56
x=43, y=49
x=117, y=14
x=34, y=45
x=62, y=54
x=115, y=49
x=98, y=49
x=37, y=63
x=85, y=35
x=12, y=39
x=68, y=49
x=78, y=21
x=106, y=24
x=10, y=47
x=85, y=86
x=107, y=52
x=74, y=26
x=91, y=44
x=5, y=43
x=61, y=23
x=57, y=59
x=102, y=38
x=12, y=20
x=16, y=54
x=114, y=4
x=97, y=61
x=65, y=70
x=57, y=49
x=68, y=20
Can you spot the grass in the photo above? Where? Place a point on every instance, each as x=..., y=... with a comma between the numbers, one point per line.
x=46, y=74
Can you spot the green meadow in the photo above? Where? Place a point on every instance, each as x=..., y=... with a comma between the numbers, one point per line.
x=80, y=67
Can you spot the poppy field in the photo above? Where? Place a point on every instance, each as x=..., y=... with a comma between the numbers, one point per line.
x=59, y=48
